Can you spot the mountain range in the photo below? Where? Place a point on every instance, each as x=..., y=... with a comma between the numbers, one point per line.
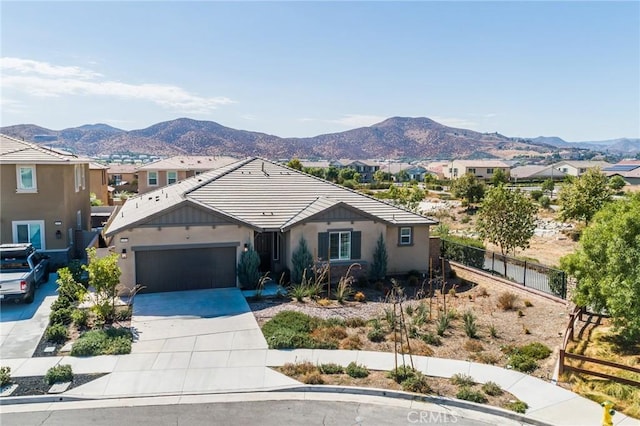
x=396, y=137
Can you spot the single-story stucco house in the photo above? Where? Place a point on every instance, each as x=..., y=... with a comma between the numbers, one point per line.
x=191, y=234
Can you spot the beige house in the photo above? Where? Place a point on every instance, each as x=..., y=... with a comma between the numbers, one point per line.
x=99, y=182
x=191, y=234
x=482, y=169
x=171, y=170
x=122, y=174
x=579, y=167
x=44, y=198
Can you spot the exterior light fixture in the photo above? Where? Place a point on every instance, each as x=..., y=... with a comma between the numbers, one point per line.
x=246, y=248
x=123, y=254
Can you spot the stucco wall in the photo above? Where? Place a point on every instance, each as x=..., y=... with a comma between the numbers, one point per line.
x=55, y=201
x=178, y=235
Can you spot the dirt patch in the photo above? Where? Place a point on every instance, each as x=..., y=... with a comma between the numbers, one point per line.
x=532, y=319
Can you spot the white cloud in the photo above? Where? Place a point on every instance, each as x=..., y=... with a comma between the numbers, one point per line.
x=45, y=80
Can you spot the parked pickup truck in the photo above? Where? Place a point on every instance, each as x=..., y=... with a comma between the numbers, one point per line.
x=22, y=269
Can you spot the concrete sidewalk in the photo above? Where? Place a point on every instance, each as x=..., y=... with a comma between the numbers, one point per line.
x=187, y=373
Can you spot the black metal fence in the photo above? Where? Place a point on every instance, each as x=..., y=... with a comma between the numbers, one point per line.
x=525, y=273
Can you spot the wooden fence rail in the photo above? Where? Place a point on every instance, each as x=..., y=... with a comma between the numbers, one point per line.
x=574, y=317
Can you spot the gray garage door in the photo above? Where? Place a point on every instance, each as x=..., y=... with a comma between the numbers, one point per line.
x=186, y=269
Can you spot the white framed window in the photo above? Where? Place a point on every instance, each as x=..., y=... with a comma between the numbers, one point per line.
x=79, y=177
x=340, y=245
x=472, y=171
x=172, y=177
x=405, y=237
x=26, y=178
x=489, y=171
x=29, y=231
x=152, y=178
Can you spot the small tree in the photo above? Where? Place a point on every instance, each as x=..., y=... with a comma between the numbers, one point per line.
x=507, y=219
x=294, y=163
x=607, y=265
x=468, y=187
x=548, y=186
x=499, y=177
x=581, y=198
x=249, y=268
x=104, y=277
x=616, y=183
x=332, y=174
x=381, y=176
x=380, y=258
x=302, y=260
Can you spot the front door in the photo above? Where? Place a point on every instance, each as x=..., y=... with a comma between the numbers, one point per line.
x=262, y=244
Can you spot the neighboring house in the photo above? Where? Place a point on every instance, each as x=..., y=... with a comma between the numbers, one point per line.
x=438, y=168
x=122, y=174
x=413, y=171
x=629, y=170
x=171, y=170
x=191, y=234
x=482, y=169
x=536, y=173
x=579, y=167
x=45, y=198
x=366, y=168
x=99, y=183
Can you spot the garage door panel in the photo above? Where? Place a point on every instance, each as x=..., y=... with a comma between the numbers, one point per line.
x=186, y=269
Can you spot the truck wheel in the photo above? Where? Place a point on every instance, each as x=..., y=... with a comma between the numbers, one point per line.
x=29, y=296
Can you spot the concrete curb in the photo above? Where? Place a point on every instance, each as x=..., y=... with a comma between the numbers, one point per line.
x=437, y=400
x=308, y=389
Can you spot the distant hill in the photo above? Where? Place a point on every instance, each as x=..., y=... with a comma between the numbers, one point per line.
x=396, y=137
x=618, y=146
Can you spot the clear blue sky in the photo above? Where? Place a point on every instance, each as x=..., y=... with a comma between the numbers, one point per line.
x=568, y=69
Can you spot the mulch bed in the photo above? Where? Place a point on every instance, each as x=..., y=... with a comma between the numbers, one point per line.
x=35, y=385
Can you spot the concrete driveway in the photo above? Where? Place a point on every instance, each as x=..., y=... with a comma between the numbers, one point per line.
x=22, y=326
x=195, y=321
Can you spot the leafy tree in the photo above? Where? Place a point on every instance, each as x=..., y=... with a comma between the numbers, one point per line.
x=606, y=265
x=314, y=171
x=104, y=277
x=430, y=179
x=581, y=198
x=301, y=259
x=402, y=176
x=332, y=174
x=548, y=185
x=507, y=219
x=499, y=177
x=380, y=258
x=407, y=196
x=616, y=183
x=348, y=174
x=381, y=176
x=249, y=268
x=468, y=187
x=294, y=163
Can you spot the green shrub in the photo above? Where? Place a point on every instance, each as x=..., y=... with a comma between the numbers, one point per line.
x=56, y=333
x=492, y=388
x=536, y=194
x=298, y=291
x=291, y=320
x=302, y=261
x=60, y=316
x=376, y=335
x=249, y=268
x=493, y=331
x=522, y=363
x=545, y=201
x=356, y=371
x=470, y=327
x=124, y=313
x=289, y=339
x=468, y=251
x=80, y=317
x=517, y=406
x=355, y=322
x=460, y=379
x=535, y=350
x=431, y=339
x=378, y=269
x=59, y=374
x=111, y=341
x=5, y=376
x=469, y=394
x=60, y=303
x=401, y=373
x=299, y=368
x=443, y=324
x=331, y=368
x=417, y=383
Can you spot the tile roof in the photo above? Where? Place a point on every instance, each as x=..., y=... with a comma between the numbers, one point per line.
x=583, y=163
x=261, y=194
x=481, y=163
x=189, y=162
x=523, y=172
x=15, y=151
x=122, y=168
